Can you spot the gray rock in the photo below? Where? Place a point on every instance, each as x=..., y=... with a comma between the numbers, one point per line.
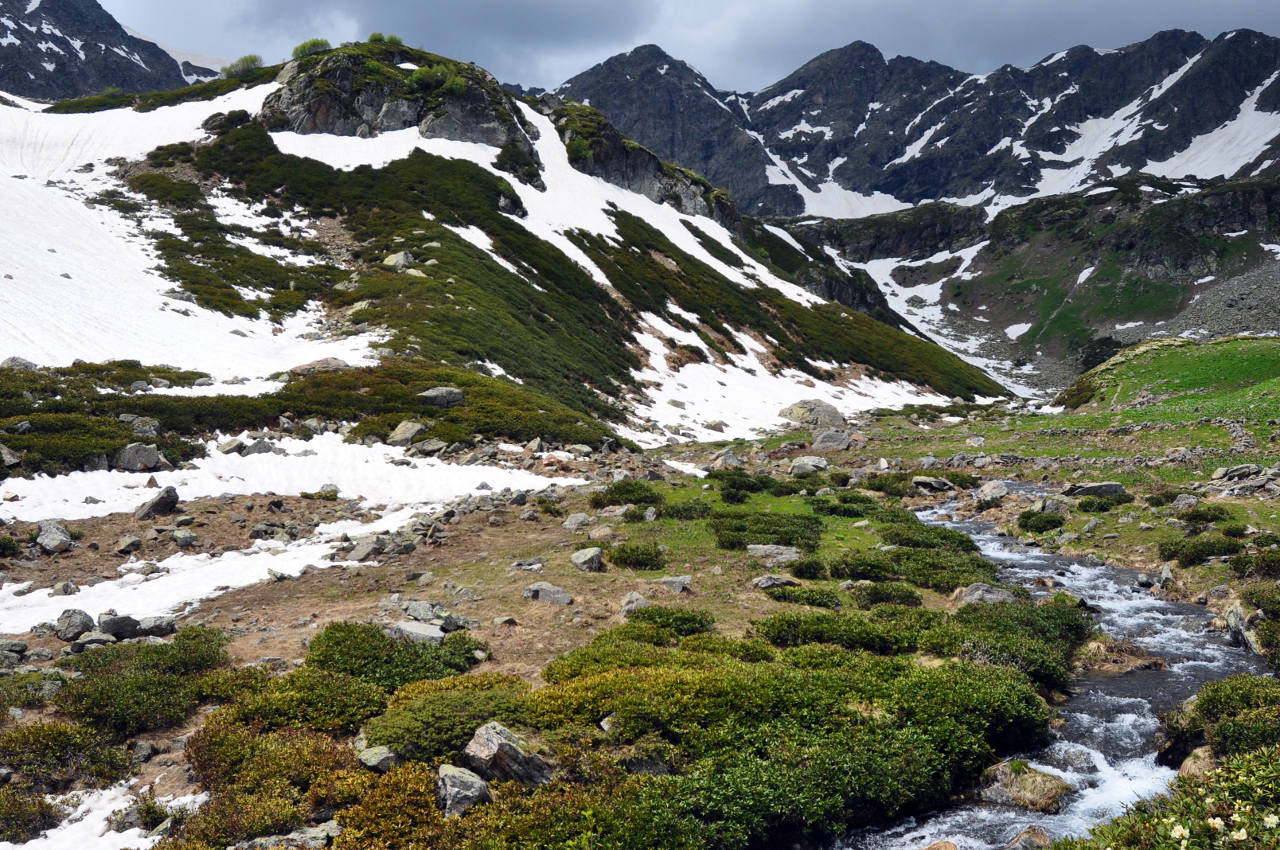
x=1102, y=488
x=633, y=602
x=259, y=447
x=139, y=457
x=416, y=632
x=830, y=441
x=128, y=544
x=364, y=550
x=88, y=640
x=813, y=412
x=405, y=433
x=767, y=581
x=773, y=555
x=543, y=591
x=993, y=491
x=8, y=457
x=1052, y=505
x=398, y=261
x=234, y=446
x=497, y=753
x=52, y=538
x=575, y=522
x=983, y=593
x=443, y=397
x=726, y=458
x=380, y=758
x=460, y=789
x=19, y=363
x=72, y=623
x=120, y=627
x=64, y=588
x=589, y=560
x=161, y=504
x=185, y=538
x=932, y=485
x=157, y=626
x=807, y=464
x=677, y=584
x=1184, y=502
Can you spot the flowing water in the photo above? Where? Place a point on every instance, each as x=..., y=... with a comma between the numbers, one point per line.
x=1106, y=748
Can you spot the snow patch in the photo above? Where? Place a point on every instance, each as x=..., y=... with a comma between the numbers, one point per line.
x=780, y=99
x=1015, y=331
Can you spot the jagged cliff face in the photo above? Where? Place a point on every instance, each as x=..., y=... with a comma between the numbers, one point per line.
x=59, y=49
x=851, y=133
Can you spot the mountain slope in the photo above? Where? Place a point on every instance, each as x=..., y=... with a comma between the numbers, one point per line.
x=851, y=133
x=65, y=48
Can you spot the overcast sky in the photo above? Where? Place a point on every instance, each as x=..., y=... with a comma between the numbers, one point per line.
x=741, y=45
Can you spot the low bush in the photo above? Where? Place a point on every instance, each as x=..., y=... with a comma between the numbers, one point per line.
x=1263, y=564
x=465, y=682
x=921, y=536
x=853, y=631
x=9, y=548
x=638, y=556
x=682, y=621
x=364, y=651
x=818, y=597
x=1038, y=522
x=808, y=568
x=885, y=593
x=602, y=656
x=737, y=530
x=52, y=756
x=695, y=509
x=1197, y=550
x=440, y=724
x=310, y=47
x=243, y=67
x=743, y=650
x=637, y=633
x=630, y=492
x=1238, y=530
x=24, y=814
x=334, y=703
x=1205, y=514
x=162, y=188
x=1248, y=730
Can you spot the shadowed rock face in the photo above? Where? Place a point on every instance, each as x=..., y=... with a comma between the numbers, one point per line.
x=920, y=130
x=85, y=51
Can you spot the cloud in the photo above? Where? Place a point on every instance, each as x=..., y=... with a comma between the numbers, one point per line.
x=741, y=45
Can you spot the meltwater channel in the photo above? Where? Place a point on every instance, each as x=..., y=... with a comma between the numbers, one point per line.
x=1106, y=747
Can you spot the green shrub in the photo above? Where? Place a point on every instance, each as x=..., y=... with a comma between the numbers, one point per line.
x=638, y=556
x=734, y=497
x=1038, y=522
x=9, y=548
x=838, y=477
x=52, y=756
x=602, y=656
x=440, y=724
x=695, y=509
x=682, y=621
x=394, y=40
x=1197, y=550
x=808, y=568
x=364, y=651
x=848, y=510
x=819, y=597
x=162, y=188
x=309, y=47
x=243, y=67
x=377, y=38
x=891, y=483
x=1266, y=540
x=1235, y=695
x=885, y=593
x=873, y=566
x=1238, y=530
x=25, y=814
x=1205, y=514
x=427, y=79
x=630, y=492
x=637, y=632
x=1263, y=564
x=132, y=688
x=743, y=650
x=334, y=703
x=921, y=536
x=1248, y=730
x=737, y=530
x=852, y=631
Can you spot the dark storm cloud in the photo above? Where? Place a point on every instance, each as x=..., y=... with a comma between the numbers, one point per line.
x=739, y=45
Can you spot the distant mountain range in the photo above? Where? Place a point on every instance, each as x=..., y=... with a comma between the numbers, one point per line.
x=851, y=133
x=56, y=49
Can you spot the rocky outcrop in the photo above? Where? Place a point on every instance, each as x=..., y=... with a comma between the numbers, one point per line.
x=1015, y=783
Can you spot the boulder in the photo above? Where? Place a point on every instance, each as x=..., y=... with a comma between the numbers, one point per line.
x=773, y=555
x=993, y=491
x=459, y=789
x=64, y=588
x=589, y=560
x=726, y=459
x=1052, y=505
x=575, y=522
x=677, y=584
x=185, y=538
x=399, y=261
x=380, y=759
x=1199, y=763
x=808, y=464
x=71, y=624
x=767, y=581
x=813, y=412
x=405, y=433
x=89, y=640
x=633, y=602
x=157, y=626
x=415, y=632
x=545, y=591
x=52, y=538
x=8, y=457
x=497, y=753
x=1103, y=488
x=139, y=457
x=163, y=503
x=932, y=485
x=1031, y=838
x=983, y=593
x=442, y=396
x=326, y=364
x=19, y=363
x=1184, y=502
x=120, y=627
x=1015, y=783
x=128, y=544
x=830, y=441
